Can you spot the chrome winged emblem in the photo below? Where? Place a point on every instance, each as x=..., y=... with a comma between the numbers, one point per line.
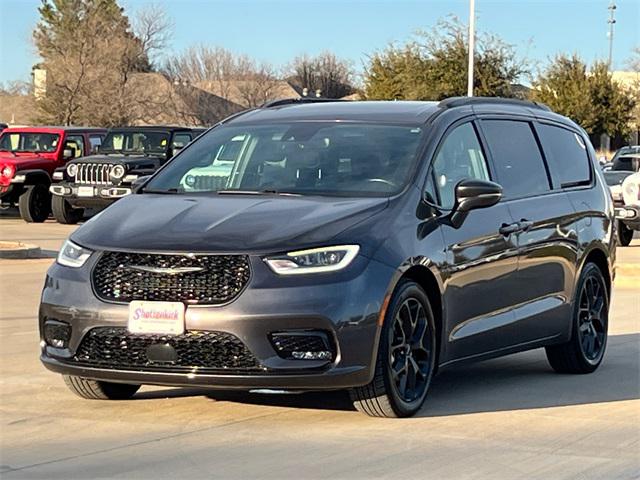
x=164, y=270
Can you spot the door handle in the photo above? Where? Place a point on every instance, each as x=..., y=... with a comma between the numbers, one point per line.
x=508, y=228
x=525, y=225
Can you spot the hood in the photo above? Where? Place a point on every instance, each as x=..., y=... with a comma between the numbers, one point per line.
x=23, y=161
x=132, y=161
x=224, y=224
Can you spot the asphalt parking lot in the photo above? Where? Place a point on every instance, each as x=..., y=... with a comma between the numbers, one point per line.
x=507, y=418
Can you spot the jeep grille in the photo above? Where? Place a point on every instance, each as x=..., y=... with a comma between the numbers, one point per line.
x=94, y=173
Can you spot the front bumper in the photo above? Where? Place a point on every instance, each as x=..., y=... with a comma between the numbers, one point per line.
x=90, y=195
x=345, y=304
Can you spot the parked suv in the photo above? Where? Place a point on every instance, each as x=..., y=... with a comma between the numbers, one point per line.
x=355, y=245
x=28, y=158
x=622, y=179
x=124, y=155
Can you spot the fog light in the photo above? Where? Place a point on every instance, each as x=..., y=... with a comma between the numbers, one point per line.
x=303, y=345
x=321, y=355
x=57, y=334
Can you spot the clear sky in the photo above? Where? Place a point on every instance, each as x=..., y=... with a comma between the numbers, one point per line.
x=277, y=30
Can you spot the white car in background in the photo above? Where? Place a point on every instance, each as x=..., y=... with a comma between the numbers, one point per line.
x=624, y=183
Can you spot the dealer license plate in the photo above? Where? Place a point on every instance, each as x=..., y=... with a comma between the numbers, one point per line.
x=156, y=317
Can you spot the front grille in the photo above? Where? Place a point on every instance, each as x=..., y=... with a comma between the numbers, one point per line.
x=116, y=348
x=123, y=277
x=94, y=173
x=209, y=182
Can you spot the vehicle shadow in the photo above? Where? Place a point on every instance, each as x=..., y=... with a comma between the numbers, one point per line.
x=517, y=382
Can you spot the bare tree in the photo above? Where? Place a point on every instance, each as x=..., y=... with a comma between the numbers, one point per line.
x=326, y=73
x=15, y=87
x=238, y=79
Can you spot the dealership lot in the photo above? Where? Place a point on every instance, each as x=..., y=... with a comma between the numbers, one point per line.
x=505, y=418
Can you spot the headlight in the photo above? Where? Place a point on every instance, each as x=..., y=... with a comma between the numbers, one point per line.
x=117, y=171
x=72, y=255
x=72, y=169
x=315, y=260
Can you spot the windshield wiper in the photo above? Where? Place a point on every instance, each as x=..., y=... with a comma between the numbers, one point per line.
x=256, y=192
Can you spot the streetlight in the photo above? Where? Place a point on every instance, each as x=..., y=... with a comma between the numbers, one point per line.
x=472, y=41
x=612, y=9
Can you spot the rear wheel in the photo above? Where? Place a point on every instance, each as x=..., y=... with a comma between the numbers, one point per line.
x=64, y=212
x=625, y=234
x=35, y=204
x=99, y=390
x=583, y=353
x=406, y=357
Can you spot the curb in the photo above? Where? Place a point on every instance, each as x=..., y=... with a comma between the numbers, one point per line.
x=15, y=250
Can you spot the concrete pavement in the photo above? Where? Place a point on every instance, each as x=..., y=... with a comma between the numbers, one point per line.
x=508, y=418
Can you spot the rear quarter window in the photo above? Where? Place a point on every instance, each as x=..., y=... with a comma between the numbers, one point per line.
x=567, y=156
x=518, y=161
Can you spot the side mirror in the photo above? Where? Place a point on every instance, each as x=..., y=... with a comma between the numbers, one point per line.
x=472, y=194
x=138, y=183
x=69, y=153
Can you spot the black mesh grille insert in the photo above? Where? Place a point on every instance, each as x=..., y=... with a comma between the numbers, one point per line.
x=286, y=343
x=115, y=347
x=193, y=279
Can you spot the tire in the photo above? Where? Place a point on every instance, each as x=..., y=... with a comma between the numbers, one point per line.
x=625, y=234
x=98, y=390
x=584, y=352
x=64, y=213
x=35, y=204
x=384, y=396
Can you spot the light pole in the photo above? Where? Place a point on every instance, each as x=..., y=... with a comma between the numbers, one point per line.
x=472, y=41
x=611, y=22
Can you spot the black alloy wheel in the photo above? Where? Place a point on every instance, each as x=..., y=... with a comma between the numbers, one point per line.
x=35, y=203
x=64, y=213
x=406, y=358
x=591, y=318
x=625, y=234
x=410, y=350
x=584, y=352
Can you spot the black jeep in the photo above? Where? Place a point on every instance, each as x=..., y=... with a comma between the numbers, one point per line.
x=125, y=155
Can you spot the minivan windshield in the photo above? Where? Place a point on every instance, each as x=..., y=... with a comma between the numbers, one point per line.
x=131, y=142
x=312, y=158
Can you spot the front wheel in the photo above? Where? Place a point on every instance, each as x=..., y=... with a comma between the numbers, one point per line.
x=625, y=234
x=99, y=390
x=35, y=204
x=406, y=357
x=583, y=353
x=64, y=213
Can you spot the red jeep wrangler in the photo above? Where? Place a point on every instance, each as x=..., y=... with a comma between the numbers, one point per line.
x=28, y=157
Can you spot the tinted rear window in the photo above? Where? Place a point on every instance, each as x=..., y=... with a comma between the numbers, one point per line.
x=519, y=165
x=567, y=156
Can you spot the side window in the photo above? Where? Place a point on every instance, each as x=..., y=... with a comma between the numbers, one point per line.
x=75, y=142
x=567, y=156
x=459, y=157
x=180, y=140
x=519, y=164
x=95, y=141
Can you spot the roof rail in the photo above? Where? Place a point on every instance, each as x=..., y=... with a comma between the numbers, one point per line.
x=292, y=101
x=461, y=101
